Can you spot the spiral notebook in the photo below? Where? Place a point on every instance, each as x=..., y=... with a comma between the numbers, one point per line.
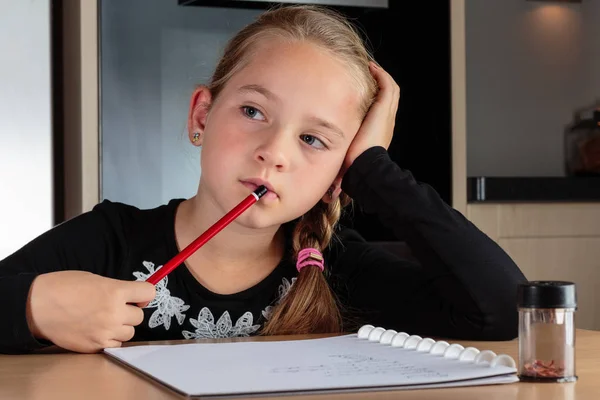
x=372, y=359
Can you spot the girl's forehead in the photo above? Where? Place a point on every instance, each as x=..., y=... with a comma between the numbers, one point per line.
x=291, y=55
x=298, y=68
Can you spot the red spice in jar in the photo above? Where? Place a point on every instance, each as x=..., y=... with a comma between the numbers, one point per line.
x=541, y=369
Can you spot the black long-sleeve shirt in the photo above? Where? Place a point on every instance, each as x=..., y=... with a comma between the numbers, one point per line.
x=463, y=286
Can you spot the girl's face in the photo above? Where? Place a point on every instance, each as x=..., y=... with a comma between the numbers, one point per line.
x=285, y=120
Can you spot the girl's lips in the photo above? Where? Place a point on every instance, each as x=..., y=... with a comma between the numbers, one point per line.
x=268, y=196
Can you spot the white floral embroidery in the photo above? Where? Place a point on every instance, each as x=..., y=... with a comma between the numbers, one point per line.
x=284, y=288
x=206, y=327
x=167, y=306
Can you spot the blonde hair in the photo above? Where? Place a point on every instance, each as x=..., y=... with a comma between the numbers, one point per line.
x=310, y=305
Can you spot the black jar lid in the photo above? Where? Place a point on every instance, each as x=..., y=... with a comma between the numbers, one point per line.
x=547, y=294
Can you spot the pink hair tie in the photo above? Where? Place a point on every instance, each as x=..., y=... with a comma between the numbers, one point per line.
x=309, y=256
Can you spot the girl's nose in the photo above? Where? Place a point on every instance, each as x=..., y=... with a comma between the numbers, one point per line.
x=273, y=152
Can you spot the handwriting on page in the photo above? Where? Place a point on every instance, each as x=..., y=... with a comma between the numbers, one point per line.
x=356, y=364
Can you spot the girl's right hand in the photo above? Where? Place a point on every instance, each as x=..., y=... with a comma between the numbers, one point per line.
x=84, y=312
x=377, y=128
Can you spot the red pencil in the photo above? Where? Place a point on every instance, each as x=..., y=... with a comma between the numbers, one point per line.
x=206, y=236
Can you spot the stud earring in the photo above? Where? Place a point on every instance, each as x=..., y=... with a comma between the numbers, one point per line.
x=330, y=193
x=196, y=137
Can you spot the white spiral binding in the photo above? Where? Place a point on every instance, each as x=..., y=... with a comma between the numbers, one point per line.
x=440, y=348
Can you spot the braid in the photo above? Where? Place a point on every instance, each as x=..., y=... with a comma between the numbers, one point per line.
x=310, y=305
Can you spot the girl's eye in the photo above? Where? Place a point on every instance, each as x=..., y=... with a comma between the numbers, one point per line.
x=252, y=112
x=313, y=141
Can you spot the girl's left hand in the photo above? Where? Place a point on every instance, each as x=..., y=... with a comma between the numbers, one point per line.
x=377, y=128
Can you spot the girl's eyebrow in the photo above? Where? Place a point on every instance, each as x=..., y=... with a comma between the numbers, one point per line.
x=327, y=125
x=254, y=88
x=260, y=90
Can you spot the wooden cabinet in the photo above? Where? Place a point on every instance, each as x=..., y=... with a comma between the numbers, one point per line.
x=81, y=97
x=550, y=242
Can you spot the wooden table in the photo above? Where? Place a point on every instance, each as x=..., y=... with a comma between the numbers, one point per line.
x=55, y=374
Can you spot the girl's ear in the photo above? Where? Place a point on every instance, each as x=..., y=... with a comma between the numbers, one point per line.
x=334, y=190
x=199, y=107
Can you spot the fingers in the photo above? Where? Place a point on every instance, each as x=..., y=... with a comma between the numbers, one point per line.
x=111, y=343
x=138, y=292
x=114, y=337
x=133, y=315
x=124, y=333
x=388, y=88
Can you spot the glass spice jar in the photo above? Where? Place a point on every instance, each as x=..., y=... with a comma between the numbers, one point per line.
x=547, y=331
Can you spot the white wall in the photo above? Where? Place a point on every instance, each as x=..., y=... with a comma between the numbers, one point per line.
x=25, y=123
x=530, y=64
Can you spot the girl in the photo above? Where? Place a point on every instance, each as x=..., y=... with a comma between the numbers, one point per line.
x=297, y=104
